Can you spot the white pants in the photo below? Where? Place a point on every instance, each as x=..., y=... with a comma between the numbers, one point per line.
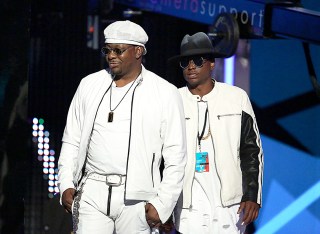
x=205, y=219
x=90, y=208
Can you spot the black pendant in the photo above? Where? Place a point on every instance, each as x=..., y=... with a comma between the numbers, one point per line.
x=110, y=117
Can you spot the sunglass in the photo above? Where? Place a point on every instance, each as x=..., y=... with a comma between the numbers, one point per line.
x=105, y=50
x=198, y=61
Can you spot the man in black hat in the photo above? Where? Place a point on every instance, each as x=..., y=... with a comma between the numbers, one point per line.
x=223, y=177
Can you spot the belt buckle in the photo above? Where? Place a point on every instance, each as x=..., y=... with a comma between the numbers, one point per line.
x=109, y=181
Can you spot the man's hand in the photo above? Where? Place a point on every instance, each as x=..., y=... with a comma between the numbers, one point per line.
x=168, y=226
x=67, y=199
x=152, y=216
x=251, y=211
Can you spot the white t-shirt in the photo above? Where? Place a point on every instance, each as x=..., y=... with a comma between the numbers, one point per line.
x=108, y=146
x=208, y=182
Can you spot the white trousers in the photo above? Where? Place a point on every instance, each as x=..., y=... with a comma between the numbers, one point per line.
x=205, y=219
x=91, y=208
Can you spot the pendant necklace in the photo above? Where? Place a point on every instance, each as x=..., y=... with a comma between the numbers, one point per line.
x=111, y=113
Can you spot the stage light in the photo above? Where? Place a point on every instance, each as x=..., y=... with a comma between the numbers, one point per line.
x=51, y=183
x=229, y=70
x=51, y=172
x=35, y=121
x=45, y=154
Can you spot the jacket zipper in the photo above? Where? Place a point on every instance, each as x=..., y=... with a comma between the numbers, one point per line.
x=214, y=150
x=216, y=169
x=153, y=157
x=194, y=171
x=89, y=139
x=215, y=160
x=129, y=141
x=225, y=115
x=194, y=174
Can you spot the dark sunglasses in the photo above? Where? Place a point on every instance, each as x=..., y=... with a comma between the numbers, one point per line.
x=198, y=61
x=105, y=50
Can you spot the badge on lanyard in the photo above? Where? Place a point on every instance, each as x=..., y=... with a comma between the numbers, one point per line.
x=202, y=162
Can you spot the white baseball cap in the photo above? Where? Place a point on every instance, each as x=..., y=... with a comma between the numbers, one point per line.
x=126, y=32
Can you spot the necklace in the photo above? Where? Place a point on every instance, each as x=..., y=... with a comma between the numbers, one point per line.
x=207, y=136
x=111, y=113
x=201, y=136
x=205, y=121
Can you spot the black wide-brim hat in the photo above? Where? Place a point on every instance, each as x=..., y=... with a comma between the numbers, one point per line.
x=196, y=44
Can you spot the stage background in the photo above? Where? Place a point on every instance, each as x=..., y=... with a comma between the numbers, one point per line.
x=47, y=47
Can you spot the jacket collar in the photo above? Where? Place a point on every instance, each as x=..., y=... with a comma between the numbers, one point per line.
x=206, y=97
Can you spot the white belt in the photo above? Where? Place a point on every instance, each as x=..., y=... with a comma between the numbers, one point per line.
x=110, y=179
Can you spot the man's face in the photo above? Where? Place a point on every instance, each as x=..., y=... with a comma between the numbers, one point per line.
x=120, y=58
x=196, y=70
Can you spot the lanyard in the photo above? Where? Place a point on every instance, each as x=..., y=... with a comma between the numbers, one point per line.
x=203, y=129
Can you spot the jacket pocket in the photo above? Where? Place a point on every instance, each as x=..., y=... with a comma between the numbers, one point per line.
x=228, y=115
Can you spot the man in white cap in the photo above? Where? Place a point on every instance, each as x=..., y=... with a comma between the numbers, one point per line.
x=222, y=189
x=122, y=121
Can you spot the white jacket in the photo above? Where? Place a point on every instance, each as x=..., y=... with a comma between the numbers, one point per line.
x=236, y=140
x=157, y=130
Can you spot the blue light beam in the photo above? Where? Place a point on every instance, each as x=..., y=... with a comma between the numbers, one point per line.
x=229, y=70
x=308, y=197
